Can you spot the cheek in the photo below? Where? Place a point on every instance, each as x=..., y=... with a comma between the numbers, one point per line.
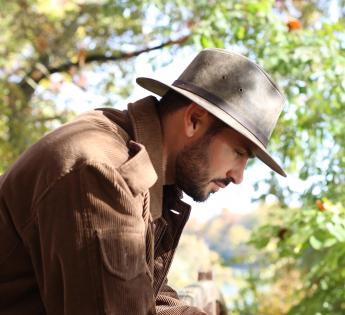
x=221, y=158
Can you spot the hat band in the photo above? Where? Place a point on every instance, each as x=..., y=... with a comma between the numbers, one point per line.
x=223, y=105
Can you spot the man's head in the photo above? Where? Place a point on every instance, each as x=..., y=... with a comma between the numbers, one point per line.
x=218, y=87
x=203, y=152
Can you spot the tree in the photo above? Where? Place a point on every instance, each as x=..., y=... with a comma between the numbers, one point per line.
x=46, y=37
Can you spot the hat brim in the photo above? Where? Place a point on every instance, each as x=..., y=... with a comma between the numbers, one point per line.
x=161, y=88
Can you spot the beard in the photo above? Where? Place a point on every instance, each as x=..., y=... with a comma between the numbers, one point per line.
x=192, y=169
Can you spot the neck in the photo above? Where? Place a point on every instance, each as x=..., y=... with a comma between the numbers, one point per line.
x=168, y=168
x=171, y=146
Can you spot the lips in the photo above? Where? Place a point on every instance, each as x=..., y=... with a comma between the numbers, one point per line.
x=220, y=184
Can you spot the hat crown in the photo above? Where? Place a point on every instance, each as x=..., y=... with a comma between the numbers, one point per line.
x=238, y=86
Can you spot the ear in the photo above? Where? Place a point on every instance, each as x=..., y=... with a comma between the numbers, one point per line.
x=196, y=120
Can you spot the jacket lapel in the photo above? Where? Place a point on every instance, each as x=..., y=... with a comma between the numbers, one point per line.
x=147, y=131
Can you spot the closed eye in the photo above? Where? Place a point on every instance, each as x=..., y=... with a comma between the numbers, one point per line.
x=240, y=153
x=244, y=152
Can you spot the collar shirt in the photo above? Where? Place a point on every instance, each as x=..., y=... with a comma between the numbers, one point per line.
x=86, y=222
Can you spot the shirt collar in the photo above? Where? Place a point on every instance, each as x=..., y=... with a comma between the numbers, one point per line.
x=147, y=131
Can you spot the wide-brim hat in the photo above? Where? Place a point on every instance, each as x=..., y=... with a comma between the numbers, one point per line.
x=235, y=90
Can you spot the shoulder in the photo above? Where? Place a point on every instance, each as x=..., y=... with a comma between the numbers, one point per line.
x=90, y=137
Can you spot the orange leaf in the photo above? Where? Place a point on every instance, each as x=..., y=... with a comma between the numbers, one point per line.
x=81, y=57
x=320, y=205
x=293, y=24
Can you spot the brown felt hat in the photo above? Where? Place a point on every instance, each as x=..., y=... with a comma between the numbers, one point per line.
x=235, y=90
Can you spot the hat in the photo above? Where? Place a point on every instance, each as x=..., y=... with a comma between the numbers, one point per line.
x=235, y=90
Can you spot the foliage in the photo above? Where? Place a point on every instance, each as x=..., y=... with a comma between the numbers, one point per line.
x=42, y=38
x=303, y=250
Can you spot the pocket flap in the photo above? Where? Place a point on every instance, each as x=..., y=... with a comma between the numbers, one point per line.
x=123, y=253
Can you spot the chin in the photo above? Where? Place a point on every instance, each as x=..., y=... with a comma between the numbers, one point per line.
x=200, y=197
x=196, y=193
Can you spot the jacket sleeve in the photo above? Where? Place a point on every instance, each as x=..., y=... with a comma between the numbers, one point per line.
x=168, y=303
x=90, y=257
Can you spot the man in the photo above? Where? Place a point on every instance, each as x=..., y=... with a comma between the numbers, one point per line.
x=85, y=219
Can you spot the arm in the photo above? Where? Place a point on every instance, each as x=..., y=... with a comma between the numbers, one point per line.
x=91, y=253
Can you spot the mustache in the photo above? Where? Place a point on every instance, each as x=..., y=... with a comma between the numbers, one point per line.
x=224, y=181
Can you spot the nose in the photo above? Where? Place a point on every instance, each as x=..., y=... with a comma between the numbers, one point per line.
x=236, y=172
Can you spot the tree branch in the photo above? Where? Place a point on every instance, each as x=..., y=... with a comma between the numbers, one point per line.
x=39, y=75
x=45, y=119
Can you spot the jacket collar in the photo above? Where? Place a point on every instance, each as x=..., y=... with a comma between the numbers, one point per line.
x=147, y=131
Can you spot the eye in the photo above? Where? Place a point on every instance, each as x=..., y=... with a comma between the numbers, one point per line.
x=240, y=153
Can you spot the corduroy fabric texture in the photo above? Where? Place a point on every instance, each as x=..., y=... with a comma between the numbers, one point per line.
x=84, y=229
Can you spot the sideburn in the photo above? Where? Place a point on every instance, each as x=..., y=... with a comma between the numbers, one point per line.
x=192, y=167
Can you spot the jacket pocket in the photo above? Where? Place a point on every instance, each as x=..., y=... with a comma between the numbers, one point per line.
x=123, y=253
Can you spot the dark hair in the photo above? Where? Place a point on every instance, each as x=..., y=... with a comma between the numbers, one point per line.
x=216, y=126
x=173, y=101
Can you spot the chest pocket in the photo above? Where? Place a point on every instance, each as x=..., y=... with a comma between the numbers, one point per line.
x=123, y=253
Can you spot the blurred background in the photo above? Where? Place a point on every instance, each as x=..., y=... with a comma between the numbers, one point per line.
x=275, y=246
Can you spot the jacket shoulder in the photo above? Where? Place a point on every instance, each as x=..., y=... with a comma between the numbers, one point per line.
x=91, y=137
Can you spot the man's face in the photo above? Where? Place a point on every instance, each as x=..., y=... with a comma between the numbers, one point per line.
x=212, y=162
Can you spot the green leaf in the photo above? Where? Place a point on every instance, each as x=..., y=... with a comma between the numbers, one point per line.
x=318, y=244
x=240, y=33
x=204, y=41
x=337, y=230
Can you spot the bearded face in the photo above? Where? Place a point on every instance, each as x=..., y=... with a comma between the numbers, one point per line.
x=192, y=170
x=212, y=162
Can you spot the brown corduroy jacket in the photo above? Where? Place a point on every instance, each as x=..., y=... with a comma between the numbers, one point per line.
x=85, y=220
